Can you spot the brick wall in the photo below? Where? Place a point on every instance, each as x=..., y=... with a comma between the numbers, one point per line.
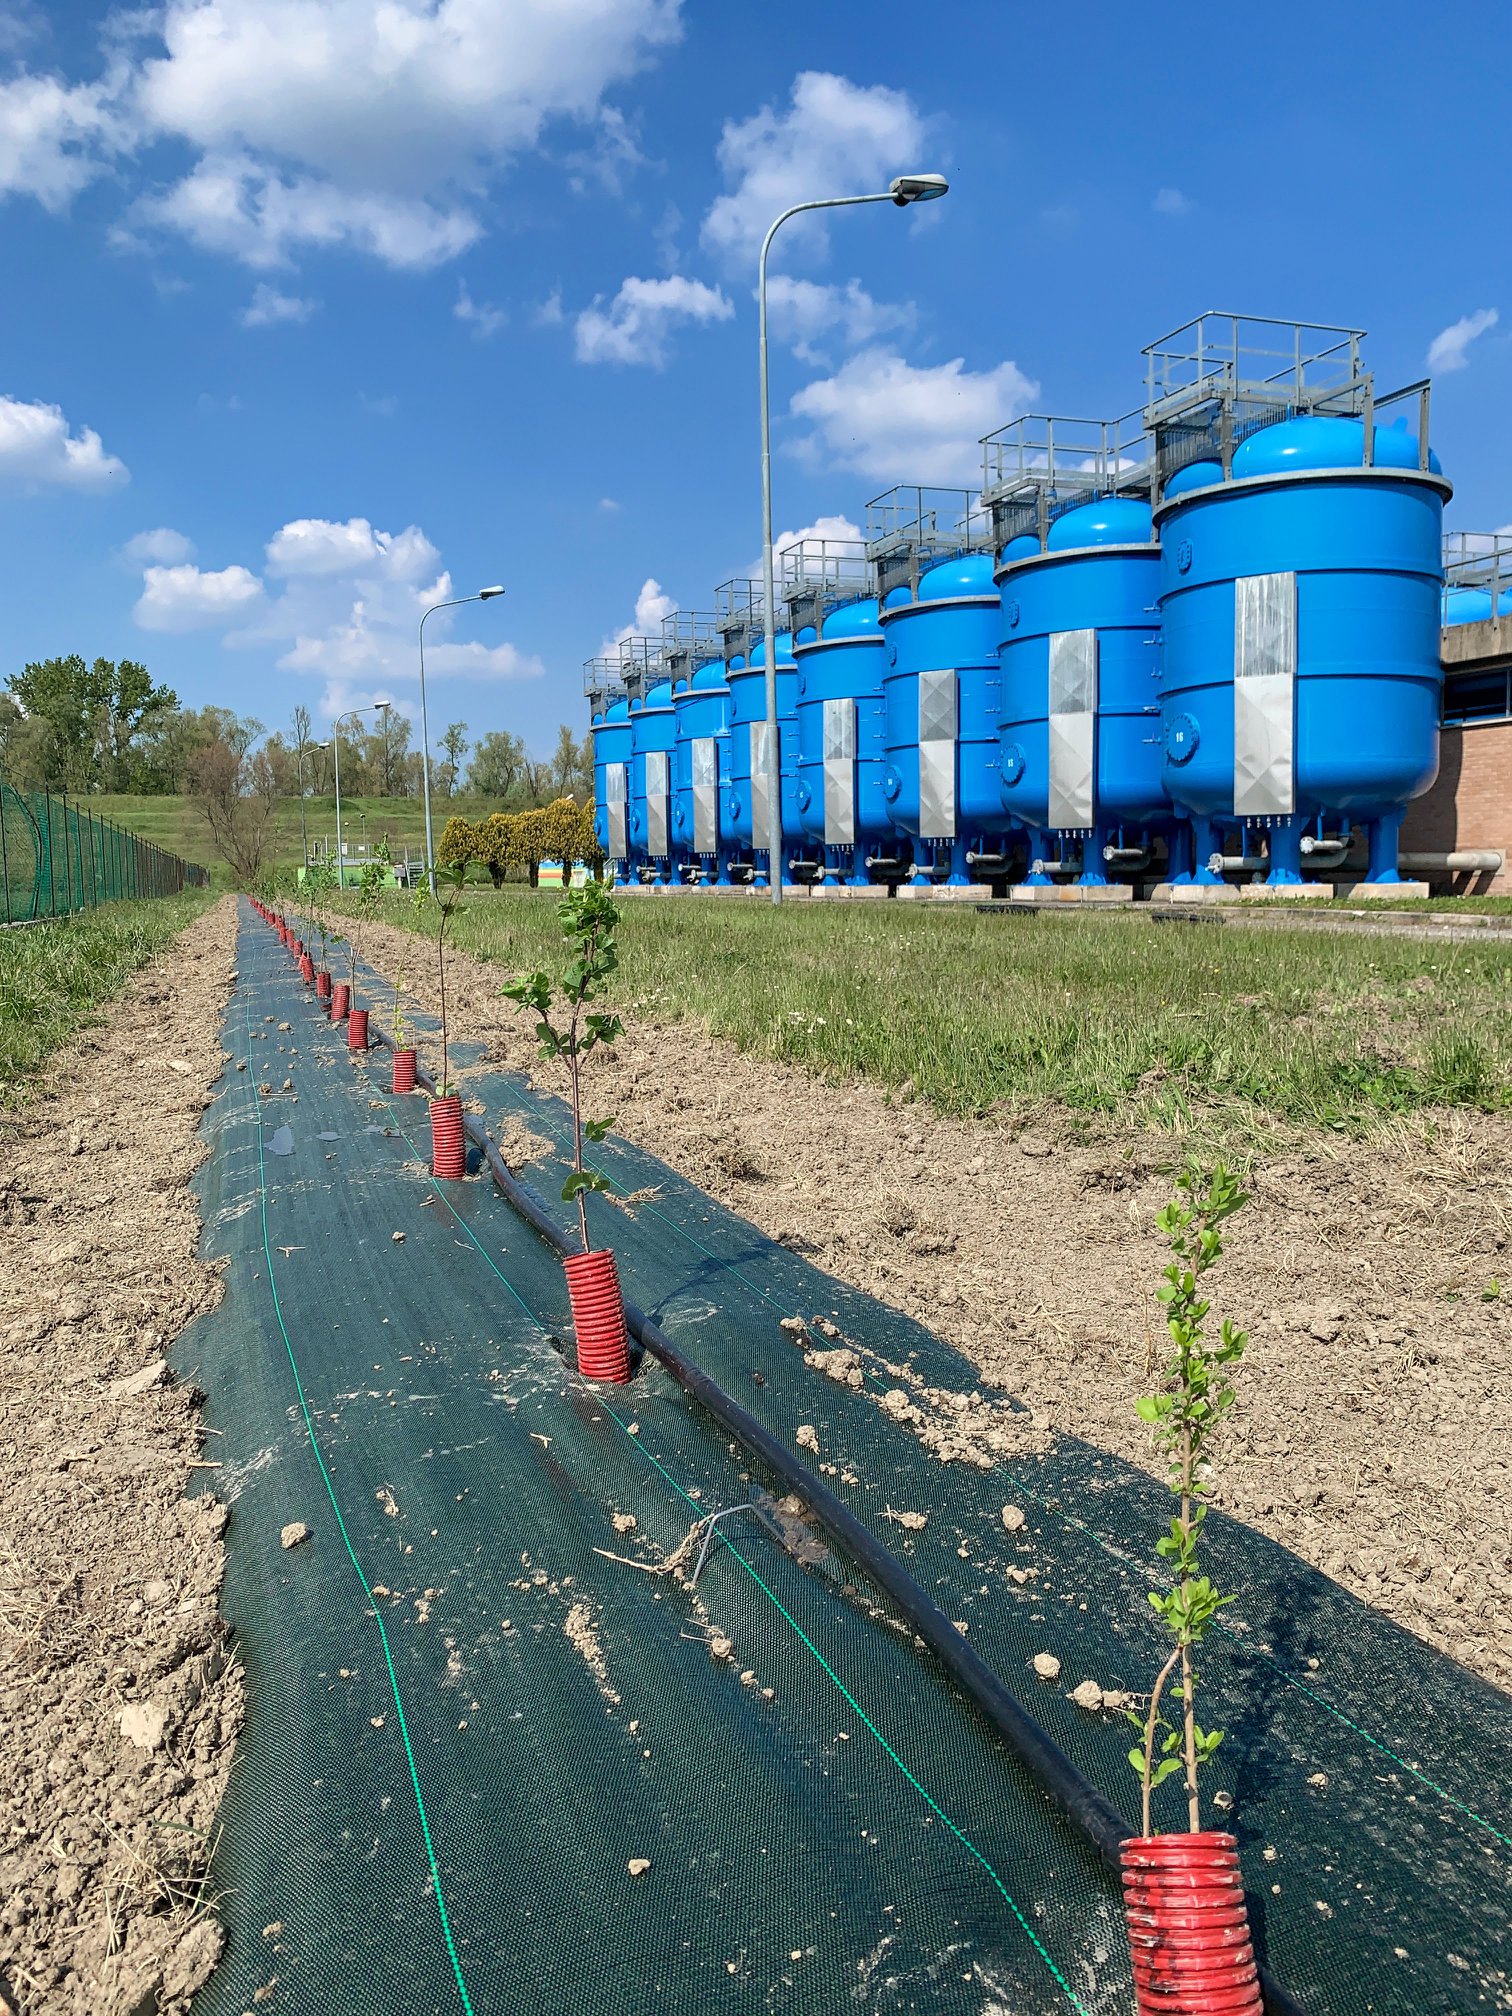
x=1470, y=803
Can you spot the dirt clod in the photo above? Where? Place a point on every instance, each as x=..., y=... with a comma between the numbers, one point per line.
x=294, y=1534
x=1048, y=1667
x=638, y=1865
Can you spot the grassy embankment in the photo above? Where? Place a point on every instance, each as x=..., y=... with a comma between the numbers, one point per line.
x=1215, y=1032
x=175, y=824
x=54, y=976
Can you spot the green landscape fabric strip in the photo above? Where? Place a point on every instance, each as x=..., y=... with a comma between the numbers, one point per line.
x=346, y=1540
x=1368, y=1876
x=828, y=1825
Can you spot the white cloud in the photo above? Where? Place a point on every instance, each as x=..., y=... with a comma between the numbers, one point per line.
x=609, y=504
x=162, y=547
x=340, y=601
x=835, y=138
x=369, y=124
x=637, y=325
x=548, y=314
x=652, y=606
x=403, y=95
x=185, y=598
x=1171, y=203
x=485, y=319
x=892, y=421
x=801, y=312
x=322, y=546
x=1449, y=350
x=55, y=137
x=232, y=205
x=268, y=308
x=37, y=447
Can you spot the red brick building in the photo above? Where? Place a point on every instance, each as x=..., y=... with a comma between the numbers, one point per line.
x=1470, y=804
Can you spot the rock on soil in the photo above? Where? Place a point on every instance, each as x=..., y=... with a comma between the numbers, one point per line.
x=1358, y=1269
x=118, y=1709
x=294, y=1534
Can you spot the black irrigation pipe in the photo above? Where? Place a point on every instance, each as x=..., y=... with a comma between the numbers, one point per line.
x=1094, y=1817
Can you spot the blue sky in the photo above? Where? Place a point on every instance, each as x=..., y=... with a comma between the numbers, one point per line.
x=312, y=305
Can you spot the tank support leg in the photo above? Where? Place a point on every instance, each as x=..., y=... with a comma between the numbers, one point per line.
x=1094, y=870
x=722, y=871
x=1179, y=856
x=759, y=875
x=1384, y=835
x=1285, y=855
x=1207, y=840
x=858, y=877
x=832, y=867
x=1039, y=850
x=960, y=875
x=922, y=873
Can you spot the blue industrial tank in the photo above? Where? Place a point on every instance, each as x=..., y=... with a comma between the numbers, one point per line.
x=612, y=750
x=701, y=772
x=1300, y=607
x=653, y=725
x=1080, y=742
x=746, y=676
x=841, y=750
x=941, y=688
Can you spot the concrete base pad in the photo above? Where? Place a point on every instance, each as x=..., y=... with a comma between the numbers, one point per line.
x=1380, y=892
x=1073, y=892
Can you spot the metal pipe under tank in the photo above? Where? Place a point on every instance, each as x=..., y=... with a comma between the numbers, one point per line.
x=1462, y=861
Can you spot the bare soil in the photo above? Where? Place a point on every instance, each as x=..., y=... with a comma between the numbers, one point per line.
x=1374, y=1431
x=119, y=1705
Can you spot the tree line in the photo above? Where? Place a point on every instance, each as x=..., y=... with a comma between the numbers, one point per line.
x=68, y=725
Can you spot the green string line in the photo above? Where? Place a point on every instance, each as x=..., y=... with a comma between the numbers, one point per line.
x=388, y=1656
x=1099, y=1540
x=933, y=1804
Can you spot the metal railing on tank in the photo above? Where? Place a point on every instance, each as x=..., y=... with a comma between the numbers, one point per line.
x=914, y=526
x=1478, y=583
x=1222, y=377
x=822, y=574
x=58, y=858
x=689, y=638
x=740, y=615
x=1044, y=464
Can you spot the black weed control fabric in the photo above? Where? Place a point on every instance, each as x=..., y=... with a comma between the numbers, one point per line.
x=468, y=1717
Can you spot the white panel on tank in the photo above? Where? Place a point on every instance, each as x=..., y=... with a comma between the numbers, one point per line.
x=1265, y=671
x=760, y=797
x=1073, y=719
x=656, y=801
x=616, y=793
x=705, y=796
x=840, y=773
x=937, y=749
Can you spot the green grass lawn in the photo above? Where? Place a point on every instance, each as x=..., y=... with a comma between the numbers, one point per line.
x=54, y=976
x=1214, y=1030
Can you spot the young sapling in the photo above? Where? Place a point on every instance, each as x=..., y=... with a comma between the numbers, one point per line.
x=1186, y=1414
x=589, y=917
x=371, y=881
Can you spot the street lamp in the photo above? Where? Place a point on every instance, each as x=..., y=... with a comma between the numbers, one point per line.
x=304, y=836
x=902, y=190
x=378, y=707
x=483, y=595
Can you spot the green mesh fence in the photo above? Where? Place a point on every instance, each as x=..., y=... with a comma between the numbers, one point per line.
x=57, y=857
x=467, y=1717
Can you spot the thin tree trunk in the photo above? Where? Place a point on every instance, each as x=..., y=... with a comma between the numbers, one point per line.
x=1165, y=1674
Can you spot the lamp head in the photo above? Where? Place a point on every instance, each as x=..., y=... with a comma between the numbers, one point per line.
x=908, y=189
x=487, y=594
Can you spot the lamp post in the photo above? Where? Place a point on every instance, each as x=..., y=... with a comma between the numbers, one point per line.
x=483, y=595
x=902, y=190
x=378, y=707
x=304, y=837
